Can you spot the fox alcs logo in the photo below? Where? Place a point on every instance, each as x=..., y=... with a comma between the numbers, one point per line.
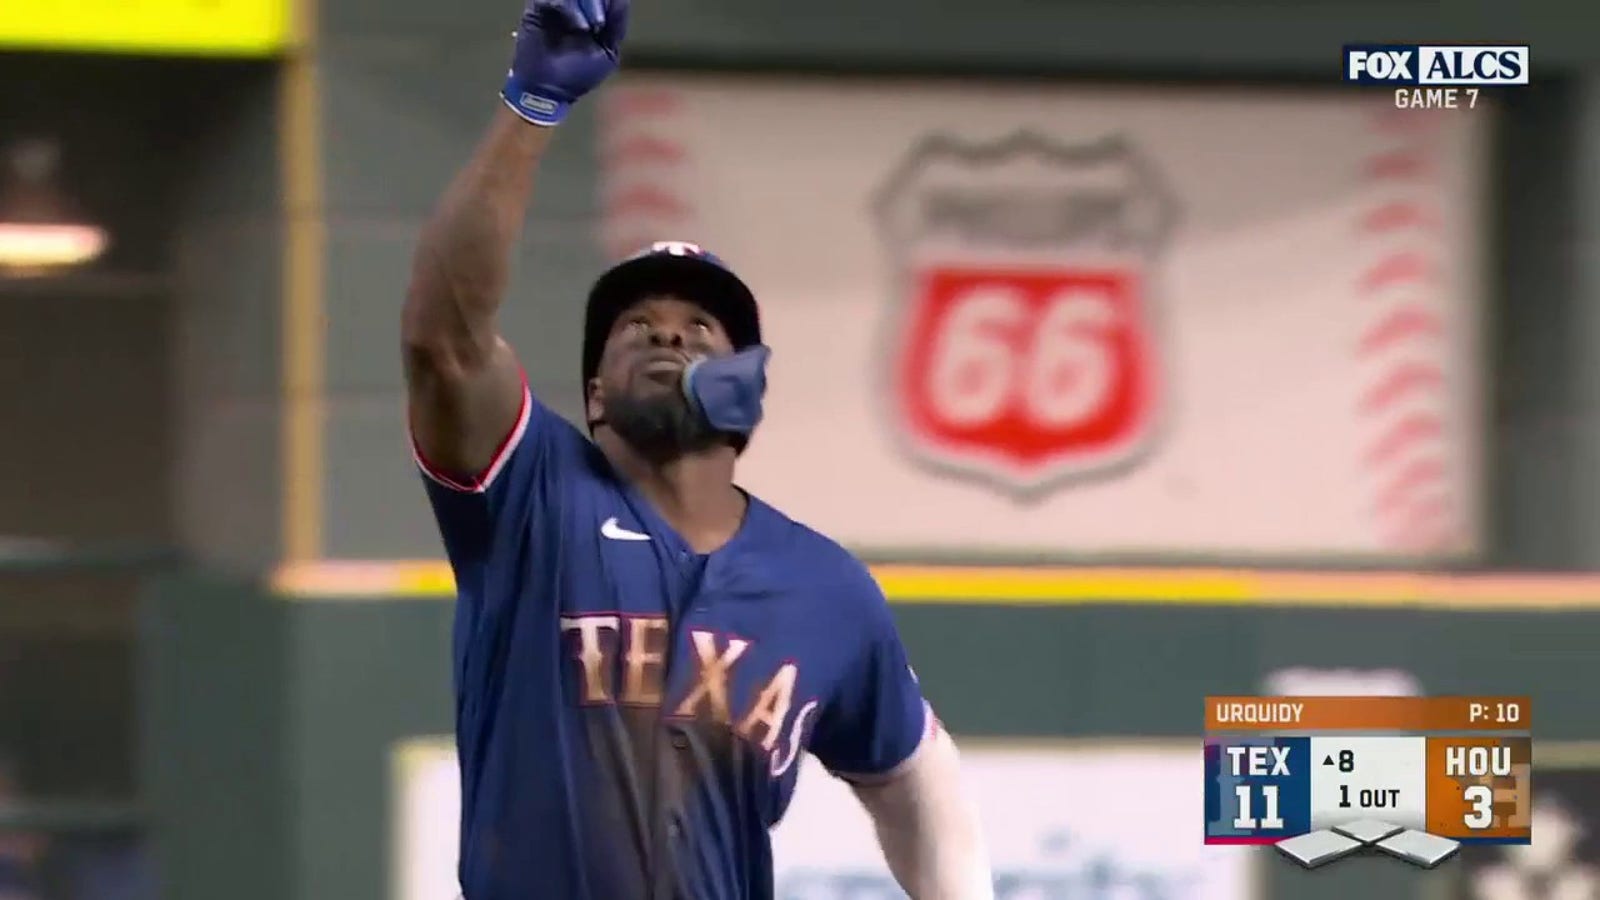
x=1434, y=65
x=1024, y=349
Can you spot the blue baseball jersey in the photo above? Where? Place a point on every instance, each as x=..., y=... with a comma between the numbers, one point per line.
x=630, y=714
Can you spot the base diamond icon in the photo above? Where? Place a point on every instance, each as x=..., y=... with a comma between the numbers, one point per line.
x=1318, y=848
x=1368, y=831
x=1420, y=848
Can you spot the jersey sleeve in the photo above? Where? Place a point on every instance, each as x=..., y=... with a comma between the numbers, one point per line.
x=877, y=717
x=472, y=507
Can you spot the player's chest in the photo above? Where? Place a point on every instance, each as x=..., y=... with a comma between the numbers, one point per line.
x=646, y=624
x=692, y=637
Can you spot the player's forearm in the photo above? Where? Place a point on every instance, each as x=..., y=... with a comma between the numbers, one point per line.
x=462, y=262
x=929, y=829
x=943, y=859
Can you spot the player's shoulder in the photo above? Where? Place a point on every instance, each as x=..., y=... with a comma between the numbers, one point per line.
x=823, y=561
x=565, y=449
x=546, y=461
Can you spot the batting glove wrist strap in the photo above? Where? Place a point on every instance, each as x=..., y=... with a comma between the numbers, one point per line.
x=540, y=110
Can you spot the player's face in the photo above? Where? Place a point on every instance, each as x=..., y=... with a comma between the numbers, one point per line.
x=639, y=388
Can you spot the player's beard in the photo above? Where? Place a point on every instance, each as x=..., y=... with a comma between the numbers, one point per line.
x=659, y=425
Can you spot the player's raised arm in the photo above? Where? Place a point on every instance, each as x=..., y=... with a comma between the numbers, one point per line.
x=464, y=383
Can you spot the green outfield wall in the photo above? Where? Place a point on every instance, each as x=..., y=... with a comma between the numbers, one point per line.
x=271, y=721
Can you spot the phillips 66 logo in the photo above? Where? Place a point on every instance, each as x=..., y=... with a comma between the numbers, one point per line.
x=1023, y=349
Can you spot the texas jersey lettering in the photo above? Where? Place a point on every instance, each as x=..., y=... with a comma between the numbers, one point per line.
x=629, y=713
x=640, y=641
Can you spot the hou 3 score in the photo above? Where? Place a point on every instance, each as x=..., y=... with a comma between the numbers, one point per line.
x=1436, y=98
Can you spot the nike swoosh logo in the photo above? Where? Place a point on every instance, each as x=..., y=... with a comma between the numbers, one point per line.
x=609, y=528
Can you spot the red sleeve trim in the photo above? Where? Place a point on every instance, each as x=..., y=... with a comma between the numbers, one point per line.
x=502, y=454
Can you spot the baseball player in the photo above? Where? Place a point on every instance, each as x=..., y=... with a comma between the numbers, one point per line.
x=642, y=650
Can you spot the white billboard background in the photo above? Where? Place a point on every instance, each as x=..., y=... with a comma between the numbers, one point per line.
x=1063, y=821
x=425, y=795
x=1307, y=289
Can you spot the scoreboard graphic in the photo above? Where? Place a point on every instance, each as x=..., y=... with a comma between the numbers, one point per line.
x=1323, y=778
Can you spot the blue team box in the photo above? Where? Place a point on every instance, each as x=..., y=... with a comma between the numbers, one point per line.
x=1258, y=789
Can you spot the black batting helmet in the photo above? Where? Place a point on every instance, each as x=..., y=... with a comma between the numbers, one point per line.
x=669, y=267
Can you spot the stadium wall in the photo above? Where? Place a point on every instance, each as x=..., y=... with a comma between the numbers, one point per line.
x=276, y=723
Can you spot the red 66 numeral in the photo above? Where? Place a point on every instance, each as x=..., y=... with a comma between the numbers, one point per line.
x=1031, y=366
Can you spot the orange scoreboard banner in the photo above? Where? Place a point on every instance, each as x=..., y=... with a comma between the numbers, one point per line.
x=1324, y=778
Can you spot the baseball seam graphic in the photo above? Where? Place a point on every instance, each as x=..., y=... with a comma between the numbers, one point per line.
x=1402, y=347
x=642, y=165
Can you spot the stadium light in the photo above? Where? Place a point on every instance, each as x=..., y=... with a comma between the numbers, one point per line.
x=39, y=234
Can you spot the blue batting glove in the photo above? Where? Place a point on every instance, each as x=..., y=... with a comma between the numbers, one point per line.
x=565, y=48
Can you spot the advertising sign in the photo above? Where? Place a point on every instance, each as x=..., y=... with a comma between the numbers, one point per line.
x=426, y=824
x=178, y=27
x=1081, y=822
x=1072, y=320
x=1085, y=822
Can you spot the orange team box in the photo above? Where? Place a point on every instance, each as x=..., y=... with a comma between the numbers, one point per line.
x=1368, y=713
x=1479, y=787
